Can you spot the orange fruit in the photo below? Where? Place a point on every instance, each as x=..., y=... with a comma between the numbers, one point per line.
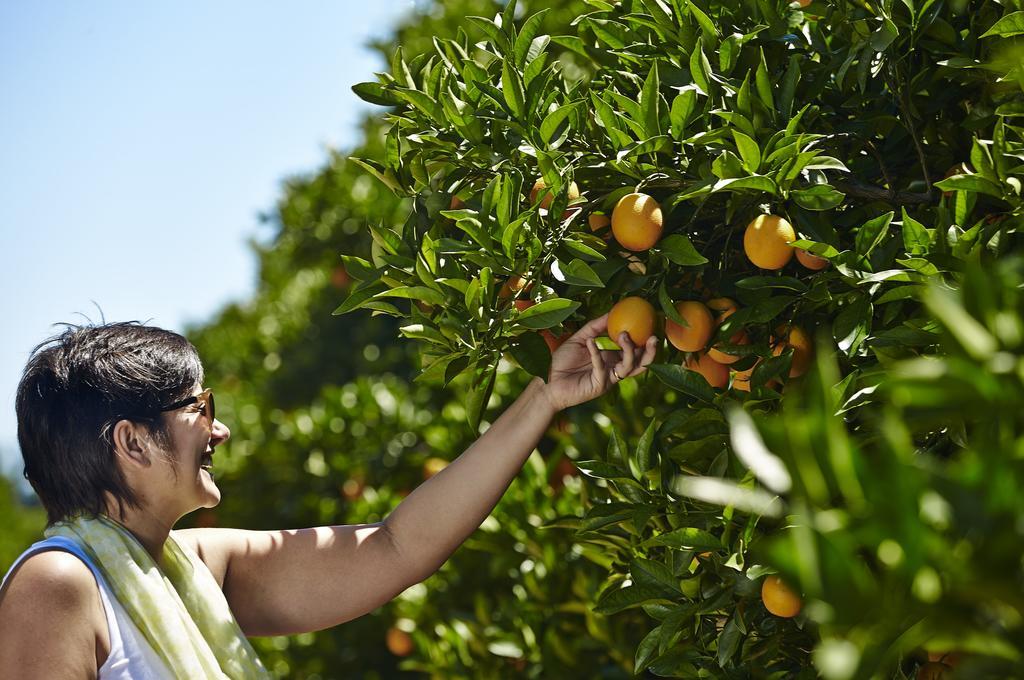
x=636, y=222
x=933, y=670
x=635, y=316
x=523, y=304
x=766, y=241
x=803, y=349
x=715, y=373
x=456, y=203
x=398, y=642
x=810, y=260
x=737, y=338
x=553, y=341
x=741, y=379
x=512, y=286
x=803, y=3
x=695, y=336
x=599, y=222
x=958, y=169
x=779, y=598
x=722, y=308
x=540, y=185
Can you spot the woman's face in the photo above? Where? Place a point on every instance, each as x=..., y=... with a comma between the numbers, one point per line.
x=193, y=436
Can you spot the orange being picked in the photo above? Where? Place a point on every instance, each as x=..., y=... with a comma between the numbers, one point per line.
x=779, y=598
x=766, y=241
x=637, y=222
x=715, y=373
x=803, y=349
x=695, y=336
x=635, y=316
x=810, y=260
x=540, y=185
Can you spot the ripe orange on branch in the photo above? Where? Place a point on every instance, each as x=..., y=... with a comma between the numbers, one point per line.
x=541, y=186
x=779, y=598
x=722, y=308
x=599, y=222
x=635, y=316
x=695, y=336
x=803, y=348
x=810, y=260
x=637, y=222
x=512, y=286
x=766, y=241
x=715, y=373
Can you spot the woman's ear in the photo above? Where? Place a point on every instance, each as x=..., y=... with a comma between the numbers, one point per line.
x=131, y=443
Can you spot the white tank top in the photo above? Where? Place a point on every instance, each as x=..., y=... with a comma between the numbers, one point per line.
x=131, y=656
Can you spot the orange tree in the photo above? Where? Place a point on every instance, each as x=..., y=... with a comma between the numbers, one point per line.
x=328, y=427
x=805, y=171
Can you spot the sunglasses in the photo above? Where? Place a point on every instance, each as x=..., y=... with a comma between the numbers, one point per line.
x=205, y=398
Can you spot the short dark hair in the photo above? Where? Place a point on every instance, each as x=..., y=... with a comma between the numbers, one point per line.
x=75, y=388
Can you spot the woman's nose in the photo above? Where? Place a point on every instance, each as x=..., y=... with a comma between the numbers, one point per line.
x=219, y=433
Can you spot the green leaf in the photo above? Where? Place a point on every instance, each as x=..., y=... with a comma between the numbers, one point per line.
x=969, y=333
x=532, y=354
x=549, y=126
x=683, y=107
x=529, y=31
x=375, y=93
x=789, y=83
x=644, y=460
x=687, y=538
x=512, y=88
x=749, y=151
x=381, y=173
x=1011, y=24
x=547, y=313
x=700, y=69
x=578, y=273
x=975, y=183
x=599, y=469
x=359, y=295
x=679, y=250
x=755, y=182
x=421, y=293
x=683, y=380
x=872, y=233
x=763, y=83
x=620, y=599
x=480, y=394
x=818, y=197
x=650, y=105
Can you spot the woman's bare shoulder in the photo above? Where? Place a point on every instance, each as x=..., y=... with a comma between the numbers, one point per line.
x=52, y=590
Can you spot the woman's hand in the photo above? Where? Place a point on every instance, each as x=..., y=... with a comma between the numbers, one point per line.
x=580, y=371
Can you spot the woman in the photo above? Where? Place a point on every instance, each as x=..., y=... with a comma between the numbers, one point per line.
x=119, y=439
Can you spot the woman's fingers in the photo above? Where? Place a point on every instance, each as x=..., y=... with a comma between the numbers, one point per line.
x=597, y=362
x=625, y=366
x=645, y=355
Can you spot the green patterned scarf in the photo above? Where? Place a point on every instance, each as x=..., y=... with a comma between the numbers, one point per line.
x=178, y=607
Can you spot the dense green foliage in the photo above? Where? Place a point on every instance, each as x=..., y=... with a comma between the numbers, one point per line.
x=844, y=118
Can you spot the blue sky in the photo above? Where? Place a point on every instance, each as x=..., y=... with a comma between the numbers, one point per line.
x=140, y=141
